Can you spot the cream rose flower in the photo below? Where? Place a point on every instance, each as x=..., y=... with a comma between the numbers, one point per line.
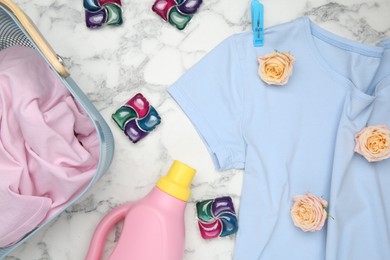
x=373, y=142
x=309, y=212
x=276, y=68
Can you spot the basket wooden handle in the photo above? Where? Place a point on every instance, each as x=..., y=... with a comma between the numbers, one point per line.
x=36, y=37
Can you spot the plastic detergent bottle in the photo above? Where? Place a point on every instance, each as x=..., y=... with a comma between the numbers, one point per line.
x=153, y=226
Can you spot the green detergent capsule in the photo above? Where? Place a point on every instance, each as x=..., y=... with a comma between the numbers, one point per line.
x=114, y=14
x=178, y=19
x=123, y=115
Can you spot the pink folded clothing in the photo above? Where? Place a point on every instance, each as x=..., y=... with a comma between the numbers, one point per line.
x=49, y=148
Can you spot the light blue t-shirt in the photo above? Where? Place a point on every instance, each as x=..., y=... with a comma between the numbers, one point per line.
x=297, y=138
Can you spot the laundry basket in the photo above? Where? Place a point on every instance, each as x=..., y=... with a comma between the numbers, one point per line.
x=17, y=29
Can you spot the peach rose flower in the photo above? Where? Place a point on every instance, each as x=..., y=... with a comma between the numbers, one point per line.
x=309, y=212
x=373, y=142
x=276, y=68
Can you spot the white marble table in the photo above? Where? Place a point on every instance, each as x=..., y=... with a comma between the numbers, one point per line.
x=147, y=55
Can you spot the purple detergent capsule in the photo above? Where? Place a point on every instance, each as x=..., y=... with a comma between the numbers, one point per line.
x=133, y=131
x=216, y=217
x=137, y=118
x=95, y=19
x=189, y=6
x=221, y=205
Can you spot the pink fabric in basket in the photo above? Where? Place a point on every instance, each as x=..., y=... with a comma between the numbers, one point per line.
x=49, y=148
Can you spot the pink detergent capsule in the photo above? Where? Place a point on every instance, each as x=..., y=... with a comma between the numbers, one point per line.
x=211, y=229
x=140, y=104
x=104, y=2
x=161, y=7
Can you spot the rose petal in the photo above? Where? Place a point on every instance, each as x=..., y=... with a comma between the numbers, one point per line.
x=308, y=212
x=275, y=68
x=373, y=142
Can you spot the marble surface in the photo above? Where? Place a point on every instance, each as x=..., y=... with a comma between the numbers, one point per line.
x=147, y=55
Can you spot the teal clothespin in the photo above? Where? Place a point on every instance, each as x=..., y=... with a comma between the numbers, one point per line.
x=257, y=23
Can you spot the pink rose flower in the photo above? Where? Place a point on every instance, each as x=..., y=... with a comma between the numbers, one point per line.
x=309, y=212
x=373, y=142
x=276, y=68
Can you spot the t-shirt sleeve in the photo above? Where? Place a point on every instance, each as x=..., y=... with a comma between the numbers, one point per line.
x=211, y=95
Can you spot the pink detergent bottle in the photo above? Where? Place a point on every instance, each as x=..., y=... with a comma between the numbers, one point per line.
x=154, y=226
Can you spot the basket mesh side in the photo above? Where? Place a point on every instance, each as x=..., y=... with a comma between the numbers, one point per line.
x=10, y=33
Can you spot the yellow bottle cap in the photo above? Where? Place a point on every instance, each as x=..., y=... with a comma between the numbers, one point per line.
x=177, y=181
